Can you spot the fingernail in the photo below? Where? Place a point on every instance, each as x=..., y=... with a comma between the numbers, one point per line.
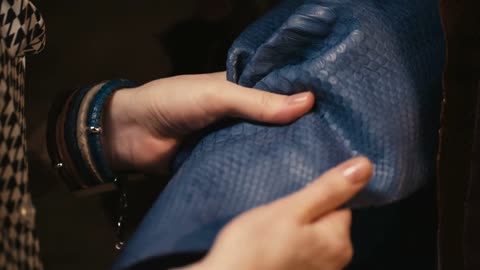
x=356, y=170
x=298, y=98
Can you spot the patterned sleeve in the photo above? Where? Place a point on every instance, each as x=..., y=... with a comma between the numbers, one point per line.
x=22, y=28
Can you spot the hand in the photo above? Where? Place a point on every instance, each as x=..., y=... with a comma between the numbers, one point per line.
x=301, y=231
x=144, y=126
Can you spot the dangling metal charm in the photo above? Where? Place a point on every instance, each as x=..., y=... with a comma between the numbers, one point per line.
x=122, y=213
x=95, y=130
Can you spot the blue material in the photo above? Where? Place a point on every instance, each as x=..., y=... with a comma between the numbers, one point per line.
x=375, y=68
x=70, y=134
x=94, y=119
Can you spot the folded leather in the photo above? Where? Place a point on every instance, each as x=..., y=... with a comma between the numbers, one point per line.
x=375, y=68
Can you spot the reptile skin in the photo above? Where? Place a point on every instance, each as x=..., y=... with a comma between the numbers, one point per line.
x=375, y=68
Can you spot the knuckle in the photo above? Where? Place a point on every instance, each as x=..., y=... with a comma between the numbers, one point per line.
x=328, y=189
x=330, y=185
x=210, y=93
x=336, y=247
x=339, y=248
x=266, y=104
x=212, y=101
x=348, y=215
x=265, y=99
x=345, y=258
x=342, y=251
x=348, y=254
x=348, y=218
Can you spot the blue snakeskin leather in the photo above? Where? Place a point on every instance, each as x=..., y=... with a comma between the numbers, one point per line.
x=375, y=68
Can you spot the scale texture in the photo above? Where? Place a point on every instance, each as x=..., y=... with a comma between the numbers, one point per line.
x=375, y=68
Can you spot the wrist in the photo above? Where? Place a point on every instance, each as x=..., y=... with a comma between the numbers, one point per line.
x=119, y=122
x=133, y=135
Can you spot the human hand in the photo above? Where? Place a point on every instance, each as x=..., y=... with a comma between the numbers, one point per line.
x=145, y=125
x=301, y=231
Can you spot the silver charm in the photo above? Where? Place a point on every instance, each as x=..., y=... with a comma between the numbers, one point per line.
x=94, y=130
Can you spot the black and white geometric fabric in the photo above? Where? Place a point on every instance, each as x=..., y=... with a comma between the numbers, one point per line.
x=21, y=32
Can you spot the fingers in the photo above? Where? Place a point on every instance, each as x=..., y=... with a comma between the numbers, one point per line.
x=341, y=220
x=333, y=232
x=238, y=101
x=331, y=190
x=182, y=104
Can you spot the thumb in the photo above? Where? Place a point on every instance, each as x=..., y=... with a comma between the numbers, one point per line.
x=237, y=101
x=331, y=190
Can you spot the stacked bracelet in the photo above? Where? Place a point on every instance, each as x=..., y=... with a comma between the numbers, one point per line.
x=75, y=136
x=94, y=127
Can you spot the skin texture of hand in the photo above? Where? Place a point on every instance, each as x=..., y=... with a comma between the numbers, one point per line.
x=145, y=125
x=301, y=231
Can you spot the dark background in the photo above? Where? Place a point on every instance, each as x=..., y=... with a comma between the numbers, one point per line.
x=459, y=162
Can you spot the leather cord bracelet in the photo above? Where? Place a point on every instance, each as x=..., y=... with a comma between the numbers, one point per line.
x=94, y=127
x=74, y=141
x=75, y=136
